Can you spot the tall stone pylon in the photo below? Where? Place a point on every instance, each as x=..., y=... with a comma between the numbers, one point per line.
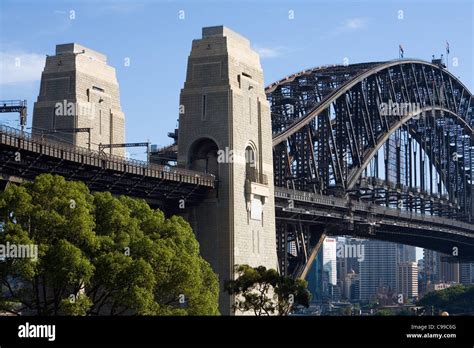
x=79, y=90
x=225, y=129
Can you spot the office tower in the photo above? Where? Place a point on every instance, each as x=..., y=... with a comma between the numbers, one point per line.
x=314, y=278
x=431, y=265
x=406, y=253
x=351, y=286
x=329, y=271
x=448, y=271
x=378, y=270
x=440, y=267
x=466, y=273
x=349, y=256
x=407, y=280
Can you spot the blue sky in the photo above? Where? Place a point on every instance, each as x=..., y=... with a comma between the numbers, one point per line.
x=157, y=42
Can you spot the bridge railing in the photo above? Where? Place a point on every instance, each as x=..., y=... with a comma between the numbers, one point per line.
x=208, y=179
x=336, y=202
x=421, y=217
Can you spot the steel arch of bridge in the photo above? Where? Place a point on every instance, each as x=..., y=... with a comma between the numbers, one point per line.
x=328, y=126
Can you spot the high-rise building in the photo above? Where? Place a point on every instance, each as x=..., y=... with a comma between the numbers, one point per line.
x=407, y=280
x=349, y=255
x=448, y=271
x=351, y=286
x=439, y=269
x=314, y=278
x=431, y=265
x=421, y=265
x=322, y=276
x=329, y=265
x=422, y=282
x=341, y=269
x=466, y=273
x=79, y=90
x=378, y=270
x=341, y=262
x=329, y=259
x=406, y=253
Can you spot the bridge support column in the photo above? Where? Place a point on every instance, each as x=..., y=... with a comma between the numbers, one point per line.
x=79, y=90
x=225, y=129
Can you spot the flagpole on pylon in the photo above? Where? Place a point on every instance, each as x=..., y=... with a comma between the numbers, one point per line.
x=447, y=55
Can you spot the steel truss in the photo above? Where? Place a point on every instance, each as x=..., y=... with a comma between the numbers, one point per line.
x=397, y=134
x=26, y=156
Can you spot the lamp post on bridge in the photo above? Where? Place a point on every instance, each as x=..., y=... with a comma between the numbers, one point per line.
x=15, y=106
x=102, y=147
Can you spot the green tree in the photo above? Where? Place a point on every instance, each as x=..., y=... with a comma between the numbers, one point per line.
x=455, y=299
x=385, y=312
x=373, y=304
x=264, y=292
x=99, y=255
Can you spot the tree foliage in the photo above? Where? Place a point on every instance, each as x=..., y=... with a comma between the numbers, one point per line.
x=99, y=255
x=385, y=312
x=455, y=299
x=263, y=291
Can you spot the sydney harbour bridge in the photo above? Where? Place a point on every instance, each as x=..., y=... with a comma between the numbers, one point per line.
x=381, y=150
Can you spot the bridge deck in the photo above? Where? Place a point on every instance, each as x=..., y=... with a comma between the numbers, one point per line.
x=340, y=216
x=346, y=206
x=26, y=156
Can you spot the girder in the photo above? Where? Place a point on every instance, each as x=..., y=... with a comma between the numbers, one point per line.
x=25, y=156
x=332, y=134
x=344, y=110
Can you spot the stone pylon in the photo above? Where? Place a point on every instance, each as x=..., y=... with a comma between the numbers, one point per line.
x=79, y=90
x=225, y=129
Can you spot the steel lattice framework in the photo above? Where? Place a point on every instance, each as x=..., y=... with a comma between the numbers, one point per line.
x=396, y=133
x=329, y=126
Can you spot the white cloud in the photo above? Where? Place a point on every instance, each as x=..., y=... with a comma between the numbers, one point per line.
x=352, y=24
x=348, y=25
x=20, y=67
x=269, y=52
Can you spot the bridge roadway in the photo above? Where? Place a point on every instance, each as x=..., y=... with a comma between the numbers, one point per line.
x=339, y=216
x=24, y=156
